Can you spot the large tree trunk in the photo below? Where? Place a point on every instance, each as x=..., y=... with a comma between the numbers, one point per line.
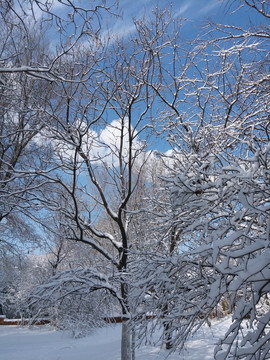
x=125, y=343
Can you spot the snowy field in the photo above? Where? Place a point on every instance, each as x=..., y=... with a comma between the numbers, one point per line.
x=43, y=343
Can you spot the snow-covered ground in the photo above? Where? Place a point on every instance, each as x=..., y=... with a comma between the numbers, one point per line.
x=43, y=343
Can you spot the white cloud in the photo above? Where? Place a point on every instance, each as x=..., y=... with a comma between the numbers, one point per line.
x=121, y=30
x=209, y=7
x=116, y=135
x=183, y=9
x=103, y=149
x=194, y=9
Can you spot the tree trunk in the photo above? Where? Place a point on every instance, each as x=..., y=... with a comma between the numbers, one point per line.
x=173, y=244
x=133, y=344
x=168, y=337
x=125, y=343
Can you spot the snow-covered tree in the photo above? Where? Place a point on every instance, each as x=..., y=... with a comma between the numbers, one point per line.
x=99, y=126
x=30, y=65
x=22, y=112
x=67, y=23
x=79, y=300
x=105, y=100
x=229, y=259
x=218, y=177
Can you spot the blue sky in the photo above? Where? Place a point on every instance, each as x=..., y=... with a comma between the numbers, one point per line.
x=193, y=9
x=196, y=12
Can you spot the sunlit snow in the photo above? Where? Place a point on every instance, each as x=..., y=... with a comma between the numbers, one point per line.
x=44, y=343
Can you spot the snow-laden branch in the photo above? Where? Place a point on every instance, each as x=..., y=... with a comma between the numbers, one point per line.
x=75, y=281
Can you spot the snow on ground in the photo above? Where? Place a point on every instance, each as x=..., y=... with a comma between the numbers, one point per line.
x=43, y=343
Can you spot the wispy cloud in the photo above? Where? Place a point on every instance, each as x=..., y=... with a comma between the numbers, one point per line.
x=194, y=9
x=130, y=11
x=183, y=8
x=120, y=30
x=209, y=7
